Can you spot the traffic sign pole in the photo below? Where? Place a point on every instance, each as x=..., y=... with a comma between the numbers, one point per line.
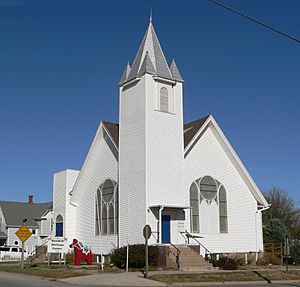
x=22, y=255
x=23, y=233
x=147, y=234
x=146, y=244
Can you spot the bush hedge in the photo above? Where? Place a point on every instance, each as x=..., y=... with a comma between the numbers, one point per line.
x=136, y=257
x=267, y=259
x=226, y=263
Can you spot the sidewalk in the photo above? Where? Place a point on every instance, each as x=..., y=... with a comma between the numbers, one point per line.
x=137, y=279
x=113, y=279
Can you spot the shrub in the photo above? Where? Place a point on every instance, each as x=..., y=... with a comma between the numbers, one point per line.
x=295, y=252
x=136, y=256
x=70, y=257
x=226, y=263
x=275, y=231
x=267, y=259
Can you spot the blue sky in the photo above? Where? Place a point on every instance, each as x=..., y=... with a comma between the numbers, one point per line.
x=60, y=62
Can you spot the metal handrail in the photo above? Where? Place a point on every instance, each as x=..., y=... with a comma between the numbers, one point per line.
x=189, y=235
x=177, y=255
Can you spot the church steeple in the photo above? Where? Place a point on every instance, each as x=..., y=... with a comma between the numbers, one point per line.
x=150, y=45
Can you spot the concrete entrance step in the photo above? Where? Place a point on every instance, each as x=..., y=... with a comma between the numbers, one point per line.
x=189, y=260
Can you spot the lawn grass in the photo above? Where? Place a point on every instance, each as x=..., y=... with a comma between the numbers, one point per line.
x=264, y=276
x=43, y=270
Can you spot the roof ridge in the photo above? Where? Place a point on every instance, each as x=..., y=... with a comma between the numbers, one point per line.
x=197, y=120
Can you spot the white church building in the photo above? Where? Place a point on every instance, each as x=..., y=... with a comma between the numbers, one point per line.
x=184, y=180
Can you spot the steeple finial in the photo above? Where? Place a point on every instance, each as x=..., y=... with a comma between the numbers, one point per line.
x=150, y=18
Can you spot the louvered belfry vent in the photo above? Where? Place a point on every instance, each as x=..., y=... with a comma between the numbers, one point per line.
x=164, y=99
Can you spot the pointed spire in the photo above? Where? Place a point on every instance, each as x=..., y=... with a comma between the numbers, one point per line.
x=151, y=45
x=147, y=66
x=125, y=75
x=175, y=72
x=150, y=19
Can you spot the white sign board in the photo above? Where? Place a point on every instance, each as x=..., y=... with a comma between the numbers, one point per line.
x=57, y=245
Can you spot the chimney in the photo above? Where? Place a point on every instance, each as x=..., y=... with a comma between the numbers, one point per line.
x=30, y=199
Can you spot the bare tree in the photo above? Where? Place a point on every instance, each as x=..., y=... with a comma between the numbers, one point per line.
x=283, y=208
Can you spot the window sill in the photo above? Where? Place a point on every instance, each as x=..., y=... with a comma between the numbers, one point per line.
x=170, y=113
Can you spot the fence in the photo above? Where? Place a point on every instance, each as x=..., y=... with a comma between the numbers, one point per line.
x=274, y=249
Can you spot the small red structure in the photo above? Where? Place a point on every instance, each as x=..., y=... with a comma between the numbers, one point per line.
x=81, y=253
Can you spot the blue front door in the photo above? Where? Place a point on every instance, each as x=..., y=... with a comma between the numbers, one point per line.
x=165, y=229
x=59, y=229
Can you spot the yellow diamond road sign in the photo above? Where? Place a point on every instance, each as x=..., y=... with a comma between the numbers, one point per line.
x=23, y=233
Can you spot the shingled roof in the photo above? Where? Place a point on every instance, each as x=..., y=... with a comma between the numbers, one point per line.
x=189, y=130
x=113, y=129
x=150, y=59
x=15, y=212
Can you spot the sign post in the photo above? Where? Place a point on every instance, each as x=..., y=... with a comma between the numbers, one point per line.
x=23, y=233
x=147, y=234
x=286, y=253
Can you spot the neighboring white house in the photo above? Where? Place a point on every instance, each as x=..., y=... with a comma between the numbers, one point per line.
x=151, y=168
x=38, y=217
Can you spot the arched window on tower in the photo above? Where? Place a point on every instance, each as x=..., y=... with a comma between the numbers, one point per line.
x=223, y=210
x=106, y=207
x=164, y=99
x=194, y=203
x=59, y=226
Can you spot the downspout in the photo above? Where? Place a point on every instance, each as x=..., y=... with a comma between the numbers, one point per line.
x=262, y=239
x=159, y=223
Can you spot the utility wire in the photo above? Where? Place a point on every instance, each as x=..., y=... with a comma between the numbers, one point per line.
x=256, y=21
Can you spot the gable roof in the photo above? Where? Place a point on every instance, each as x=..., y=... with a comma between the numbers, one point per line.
x=189, y=130
x=113, y=129
x=15, y=212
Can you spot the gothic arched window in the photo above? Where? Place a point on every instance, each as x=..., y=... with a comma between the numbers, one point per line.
x=194, y=203
x=106, y=217
x=223, y=210
x=164, y=100
x=209, y=194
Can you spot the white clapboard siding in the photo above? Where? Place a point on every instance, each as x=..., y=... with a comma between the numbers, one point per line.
x=209, y=158
x=164, y=147
x=63, y=183
x=59, y=198
x=99, y=165
x=70, y=223
x=132, y=162
x=2, y=222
